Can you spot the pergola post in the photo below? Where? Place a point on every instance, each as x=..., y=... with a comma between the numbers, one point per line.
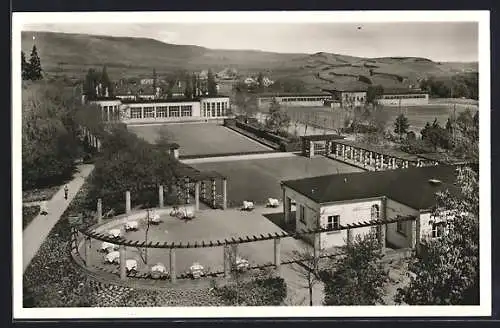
x=413, y=234
x=123, y=262
x=197, y=196
x=186, y=190
x=381, y=237
x=203, y=190
x=370, y=159
x=277, y=254
x=107, y=111
x=214, y=194
x=99, y=210
x=226, y=261
x=349, y=236
x=128, y=205
x=173, y=274
x=311, y=149
x=343, y=152
x=286, y=206
x=160, y=196
x=224, y=193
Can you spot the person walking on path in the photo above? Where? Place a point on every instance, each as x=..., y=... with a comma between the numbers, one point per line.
x=66, y=192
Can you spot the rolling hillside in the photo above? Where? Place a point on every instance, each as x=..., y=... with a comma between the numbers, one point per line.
x=73, y=54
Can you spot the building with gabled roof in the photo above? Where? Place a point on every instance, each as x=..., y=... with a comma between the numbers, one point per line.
x=346, y=199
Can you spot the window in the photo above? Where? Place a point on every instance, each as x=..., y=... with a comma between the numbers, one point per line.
x=437, y=229
x=186, y=110
x=213, y=109
x=149, y=112
x=333, y=222
x=375, y=213
x=174, y=111
x=302, y=214
x=136, y=112
x=161, y=111
x=401, y=227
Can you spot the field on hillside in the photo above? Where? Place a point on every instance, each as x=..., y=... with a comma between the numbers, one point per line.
x=73, y=54
x=257, y=180
x=200, y=138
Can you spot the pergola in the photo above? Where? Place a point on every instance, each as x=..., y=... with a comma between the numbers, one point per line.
x=324, y=141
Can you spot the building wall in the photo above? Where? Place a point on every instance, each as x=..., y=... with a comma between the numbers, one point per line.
x=399, y=237
x=214, y=107
x=311, y=212
x=426, y=224
x=349, y=212
x=141, y=112
x=404, y=100
x=351, y=98
x=294, y=101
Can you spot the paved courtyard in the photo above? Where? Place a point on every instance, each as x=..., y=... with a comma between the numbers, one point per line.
x=256, y=180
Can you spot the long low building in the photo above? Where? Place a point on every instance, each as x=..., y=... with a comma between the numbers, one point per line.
x=293, y=99
x=338, y=200
x=404, y=97
x=162, y=110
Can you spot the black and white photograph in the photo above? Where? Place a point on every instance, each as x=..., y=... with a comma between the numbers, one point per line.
x=254, y=164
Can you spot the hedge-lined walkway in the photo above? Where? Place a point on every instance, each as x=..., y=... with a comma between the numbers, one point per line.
x=39, y=228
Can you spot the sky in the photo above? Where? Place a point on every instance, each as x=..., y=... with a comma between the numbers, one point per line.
x=438, y=41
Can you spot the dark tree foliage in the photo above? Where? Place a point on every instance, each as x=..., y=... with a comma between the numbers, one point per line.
x=278, y=119
x=105, y=81
x=24, y=67
x=446, y=272
x=401, y=125
x=212, y=86
x=358, y=277
x=373, y=92
x=35, y=66
x=260, y=80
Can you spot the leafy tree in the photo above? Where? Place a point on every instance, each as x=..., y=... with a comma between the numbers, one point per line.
x=307, y=267
x=105, y=81
x=358, y=277
x=401, y=125
x=446, y=272
x=435, y=135
x=155, y=78
x=278, y=119
x=90, y=83
x=24, y=67
x=34, y=67
x=212, y=86
x=373, y=93
x=194, y=85
x=260, y=80
x=188, y=91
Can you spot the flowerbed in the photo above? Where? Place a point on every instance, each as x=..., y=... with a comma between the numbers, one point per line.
x=29, y=213
x=260, y=291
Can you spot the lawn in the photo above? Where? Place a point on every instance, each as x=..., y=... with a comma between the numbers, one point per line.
x=29, y=213
x=209, y=225
x=257, y=180
x=417, y=116
x=200, y=138
x=37, y=195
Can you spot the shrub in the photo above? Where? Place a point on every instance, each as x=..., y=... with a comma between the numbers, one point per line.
x=267, y=291
x=29, y=213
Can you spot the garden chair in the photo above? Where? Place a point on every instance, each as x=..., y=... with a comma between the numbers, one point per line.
x=272, y=202
x=115, y=233
x=196, y=270
x=247, y=206
x=108, y=247
x=113, y=257
x=131, y=265
x=131, y=226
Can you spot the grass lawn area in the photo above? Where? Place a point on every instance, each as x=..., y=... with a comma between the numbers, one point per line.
x=29, y=213
x=209, y=225
x=417, y=116
x=200, y=138
x=257, y=180
x=36, y=195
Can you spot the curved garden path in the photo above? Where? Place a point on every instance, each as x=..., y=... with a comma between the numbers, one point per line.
x=39, y=228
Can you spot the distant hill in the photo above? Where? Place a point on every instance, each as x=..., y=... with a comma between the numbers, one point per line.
x=73, y=54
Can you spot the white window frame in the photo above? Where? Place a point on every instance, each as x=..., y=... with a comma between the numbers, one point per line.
x=135, y=112
x=333, y=222
x=149, y=112
x=375, y=209
x=436, y=232
x=302, y=213
x=401, y=228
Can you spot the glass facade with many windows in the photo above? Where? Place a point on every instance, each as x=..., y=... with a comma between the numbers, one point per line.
x=162, y=111
x=174, y=111
x=186, y=110
x=149, y=112
x=135, y=112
